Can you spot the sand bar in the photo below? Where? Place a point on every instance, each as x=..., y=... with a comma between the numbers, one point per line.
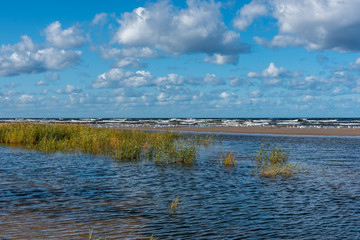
x=261, y=130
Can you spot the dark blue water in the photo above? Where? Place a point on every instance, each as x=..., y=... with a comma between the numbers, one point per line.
x=62, y=196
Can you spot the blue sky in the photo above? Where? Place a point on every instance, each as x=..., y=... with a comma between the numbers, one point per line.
x=276, y=58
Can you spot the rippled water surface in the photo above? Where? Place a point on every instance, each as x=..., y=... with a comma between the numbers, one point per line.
x=63, y=196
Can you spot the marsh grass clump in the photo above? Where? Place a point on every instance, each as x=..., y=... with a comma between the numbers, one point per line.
x=227, y=159
x=184, y=153
x=117, y=144
x=273, y=161
x=181, y=151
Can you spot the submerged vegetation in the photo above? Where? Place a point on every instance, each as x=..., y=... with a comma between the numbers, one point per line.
x=273, y=161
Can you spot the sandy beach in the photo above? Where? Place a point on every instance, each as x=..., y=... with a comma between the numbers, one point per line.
x=261, y=130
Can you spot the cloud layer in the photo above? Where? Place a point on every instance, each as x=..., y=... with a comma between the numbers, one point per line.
x=152, y=58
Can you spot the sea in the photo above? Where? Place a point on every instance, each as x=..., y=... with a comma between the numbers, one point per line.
x=78, y=196
x=201, y=122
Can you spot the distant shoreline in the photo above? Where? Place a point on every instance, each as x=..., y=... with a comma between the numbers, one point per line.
x=259, y=130
x=198, y=124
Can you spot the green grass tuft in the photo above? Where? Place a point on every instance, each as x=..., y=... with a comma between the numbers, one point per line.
x=272, y=161
x=227, y=159
x=181, y=151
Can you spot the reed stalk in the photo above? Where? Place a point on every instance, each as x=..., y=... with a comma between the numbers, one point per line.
x=93, y=238
x=174, y=205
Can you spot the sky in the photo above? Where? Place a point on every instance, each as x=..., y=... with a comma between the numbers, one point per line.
x=159, y=59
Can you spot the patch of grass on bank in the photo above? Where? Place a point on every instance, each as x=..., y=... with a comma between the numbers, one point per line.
x=272, y=161
x=118, y=144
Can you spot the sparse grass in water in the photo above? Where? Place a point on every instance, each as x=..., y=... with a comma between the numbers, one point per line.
x=227, y=159
x=93, y=238
x=273, y=161
x=174, y=205
x=205, y=141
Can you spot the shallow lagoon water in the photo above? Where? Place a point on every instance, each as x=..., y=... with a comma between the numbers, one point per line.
x=63, y=196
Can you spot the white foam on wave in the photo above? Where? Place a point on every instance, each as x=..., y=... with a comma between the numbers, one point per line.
x=199, y=122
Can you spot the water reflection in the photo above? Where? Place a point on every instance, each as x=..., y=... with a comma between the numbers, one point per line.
x=61, y=196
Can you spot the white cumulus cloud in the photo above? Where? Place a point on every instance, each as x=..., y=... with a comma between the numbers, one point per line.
x=355, y=64
x=139, y=52
x=41, y=83
x=315, y=25
x=129, y=62
x=308, y=82
x=224, y=99
x=213, y=79
x=272, y=75
x=118, y=77
x=248, y=13
x=235, y=81
x=25, y=98
x=99, y=18
x=170, y=79
x=56, y=59
x=255, y=94
x=69, y=89
x=195, y=29
x=68, y=38
x=219, y=59
x=26, y=58
x=128, y=57
x=270, y=71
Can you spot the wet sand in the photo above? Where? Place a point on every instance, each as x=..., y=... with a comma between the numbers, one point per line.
x=260, y=130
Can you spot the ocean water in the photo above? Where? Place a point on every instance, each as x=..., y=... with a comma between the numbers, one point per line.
x=63, y=196
x=201, y=122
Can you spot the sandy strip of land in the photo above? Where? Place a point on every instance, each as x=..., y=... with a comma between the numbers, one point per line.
x=260, y=130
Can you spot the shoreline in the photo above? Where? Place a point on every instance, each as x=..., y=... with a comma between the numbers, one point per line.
x=258, y=130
